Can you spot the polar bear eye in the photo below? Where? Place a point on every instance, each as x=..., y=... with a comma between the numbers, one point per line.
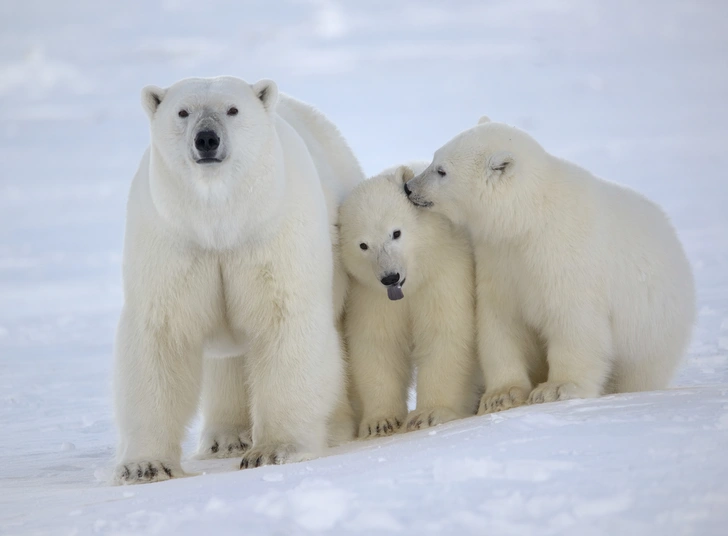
x=363, y=246
x=183, y=113
x=441, y=171
x=233, y=111
x=396, y=234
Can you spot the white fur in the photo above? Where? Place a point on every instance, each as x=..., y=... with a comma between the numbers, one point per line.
x=232, y=259
x=432, y=327
x=582, y=284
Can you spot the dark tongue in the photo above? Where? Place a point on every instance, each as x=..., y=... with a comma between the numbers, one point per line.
x=395, y=292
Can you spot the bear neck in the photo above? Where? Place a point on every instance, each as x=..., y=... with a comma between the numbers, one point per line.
x=241, y=206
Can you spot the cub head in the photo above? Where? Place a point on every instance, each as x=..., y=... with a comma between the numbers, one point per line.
x=378, y=227
x=483, y=178
x=202, y=126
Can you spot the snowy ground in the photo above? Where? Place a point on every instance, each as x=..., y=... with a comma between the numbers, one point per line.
x=634, y=91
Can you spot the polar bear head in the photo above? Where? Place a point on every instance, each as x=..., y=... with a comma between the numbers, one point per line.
x=204, y=125
x=378, y=232
x=214, y=164
x=485, y=177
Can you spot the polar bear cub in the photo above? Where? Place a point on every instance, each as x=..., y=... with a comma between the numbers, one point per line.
x=411, y=302
x=230, y=282
x=582, y=285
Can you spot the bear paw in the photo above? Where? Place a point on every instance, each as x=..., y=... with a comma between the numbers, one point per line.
x=223, y=443
x=502, y=400
x=555, y=391
x=379, y=427
x=419, y=419
x=144, y=472
x=270, y=455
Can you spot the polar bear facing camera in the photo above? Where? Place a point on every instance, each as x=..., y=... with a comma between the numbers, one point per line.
x=583, y=287
x=411, y=302
x=231, y=287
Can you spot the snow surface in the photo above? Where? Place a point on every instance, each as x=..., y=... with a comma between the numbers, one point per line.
x=634, y=91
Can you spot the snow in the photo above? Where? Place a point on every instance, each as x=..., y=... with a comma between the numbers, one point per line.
x=634, y=91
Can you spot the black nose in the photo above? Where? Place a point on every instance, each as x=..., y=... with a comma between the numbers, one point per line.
x=390, y=279
x=407, y=190
x=207, y=140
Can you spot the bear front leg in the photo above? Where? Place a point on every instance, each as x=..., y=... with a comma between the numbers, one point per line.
x=502, y=355
x=225, y=409
x=296, y=377
x=579, y=357
x=381, y=370
x=157, y=380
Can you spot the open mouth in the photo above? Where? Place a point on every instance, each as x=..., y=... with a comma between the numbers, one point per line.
x=209, y=161
x=394, y=292
x=422, y=204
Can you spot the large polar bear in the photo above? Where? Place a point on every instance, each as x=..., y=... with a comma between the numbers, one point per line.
x=582, y=285
x=411, y=302
x=231, y=227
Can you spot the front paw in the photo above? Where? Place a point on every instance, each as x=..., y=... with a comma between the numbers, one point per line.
x=223, y=443
x=555, y=391
x=270, y=455
x=379, y=427
x=419, y=419
x=502, y=400
x=146, y=471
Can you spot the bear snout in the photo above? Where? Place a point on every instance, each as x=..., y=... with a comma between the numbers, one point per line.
x=207, y=142
x=390, y=279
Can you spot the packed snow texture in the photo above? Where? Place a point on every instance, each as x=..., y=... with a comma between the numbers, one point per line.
x=633, y=91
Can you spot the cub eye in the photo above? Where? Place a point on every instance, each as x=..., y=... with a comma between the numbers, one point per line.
x=363, y=246
x=441, y=171
x=233, y=111
x=396, y=234
x=183, y=113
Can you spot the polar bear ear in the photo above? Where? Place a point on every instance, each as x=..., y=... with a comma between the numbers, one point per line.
x=483, y=120
x=500, y=162
x=402, y=174
x=267, y=92
x=151, y=99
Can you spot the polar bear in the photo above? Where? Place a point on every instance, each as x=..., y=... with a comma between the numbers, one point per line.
x=230, y=251
x=411, y=301
x=583, y=287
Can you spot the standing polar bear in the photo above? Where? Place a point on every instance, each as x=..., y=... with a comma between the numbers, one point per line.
x=411, y=301
x=582, y=285
x=231, y=227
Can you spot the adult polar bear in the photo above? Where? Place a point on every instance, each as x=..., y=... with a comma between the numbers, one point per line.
x=581, y=284
x=231, y=227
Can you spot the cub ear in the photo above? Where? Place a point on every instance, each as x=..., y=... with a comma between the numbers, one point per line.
x=402, y=174
x=500, y=162
x=151, y=99
x=483, y=120
x=267, y=92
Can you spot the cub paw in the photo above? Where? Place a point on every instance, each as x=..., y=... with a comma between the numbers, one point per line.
x=379, y=427
x=419, y=419
x=145, y=472
x=501, y=400
x=223, y=444
x=555, y=391
x=270, y=455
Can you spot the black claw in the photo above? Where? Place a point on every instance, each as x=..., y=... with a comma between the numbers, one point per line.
x=125, y=475
x=370, y=430
x=230, y=448
x=167, y=470
x=139, y=472
x=398, y=423
x=378, y=428
x=259, y=461
x=275, y=460
x=244, y=463
x=430, y=419
x=215, y=447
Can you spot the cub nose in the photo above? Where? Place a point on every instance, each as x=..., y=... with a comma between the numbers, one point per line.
x=407, y=191
x=390, y=279
x=207, y=140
